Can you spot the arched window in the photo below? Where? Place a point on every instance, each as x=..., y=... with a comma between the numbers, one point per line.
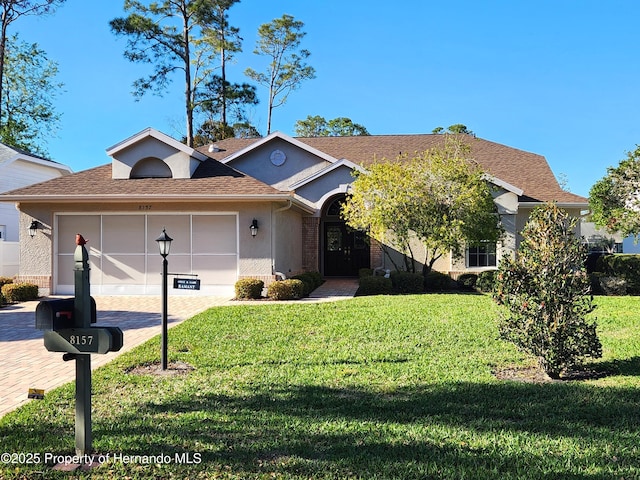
x=334, y=208
x=151, y=168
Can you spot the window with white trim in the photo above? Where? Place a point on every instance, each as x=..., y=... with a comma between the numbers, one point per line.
x=481, y=254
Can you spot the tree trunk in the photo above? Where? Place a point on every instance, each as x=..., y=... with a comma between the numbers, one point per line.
x=188, y=92
x=3, y=44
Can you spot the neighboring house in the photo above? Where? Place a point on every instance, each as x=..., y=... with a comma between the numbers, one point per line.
x=19, y=169
x=207, y=199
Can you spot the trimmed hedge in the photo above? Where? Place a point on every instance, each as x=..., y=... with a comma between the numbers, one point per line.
x=19, y=292
x=375, y=285
x=486, y=280
x=437, y=282
x=467, y=281
x=407, y=282
x=290, y=289
x=311, y=281
x=249, y=288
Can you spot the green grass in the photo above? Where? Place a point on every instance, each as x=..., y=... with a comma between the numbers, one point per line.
x=371, y=388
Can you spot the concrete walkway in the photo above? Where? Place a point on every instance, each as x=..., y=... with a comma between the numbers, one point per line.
x=25, y=363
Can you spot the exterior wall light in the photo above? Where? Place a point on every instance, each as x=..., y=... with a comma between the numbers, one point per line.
x=33, y=228
x=254, y=227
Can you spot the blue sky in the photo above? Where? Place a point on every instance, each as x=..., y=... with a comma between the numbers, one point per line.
x=554, y=77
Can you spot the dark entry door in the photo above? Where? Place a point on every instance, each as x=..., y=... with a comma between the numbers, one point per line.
x=345, y=250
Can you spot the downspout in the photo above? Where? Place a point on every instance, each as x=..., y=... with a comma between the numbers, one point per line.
x=273, y=239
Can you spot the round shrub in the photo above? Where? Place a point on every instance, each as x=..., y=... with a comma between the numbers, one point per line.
x=486, y=280
x=365, y=272
x=249, y=288
x=437, y=281
x=467, y=281
x=290, y=289
x=19, y=292
x=374, y=285
x=407, y=282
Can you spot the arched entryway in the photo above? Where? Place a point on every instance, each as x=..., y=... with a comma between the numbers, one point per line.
x=344, y=250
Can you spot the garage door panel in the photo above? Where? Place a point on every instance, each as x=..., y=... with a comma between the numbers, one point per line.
x=214, y=234
x=123, y=234
x=177, y=264
x=119, y=269
x=70, y=225
x=66, y=265
x=178, y=227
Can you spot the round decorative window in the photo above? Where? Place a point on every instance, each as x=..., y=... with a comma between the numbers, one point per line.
x=278, y=157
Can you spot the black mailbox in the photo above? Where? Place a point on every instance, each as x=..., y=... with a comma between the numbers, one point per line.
x=58, y=314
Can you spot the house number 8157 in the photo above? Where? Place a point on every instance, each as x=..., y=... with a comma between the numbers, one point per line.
x=144, y=207
x=81, y=339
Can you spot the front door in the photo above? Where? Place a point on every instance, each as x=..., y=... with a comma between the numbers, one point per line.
x=345, y=250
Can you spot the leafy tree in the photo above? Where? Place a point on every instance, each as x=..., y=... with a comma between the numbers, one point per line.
x=10, y=11
x=615, y=199
x=436, y=197
x=176, y=35
x=28, y=116
x=546, y=292
x=317, y=126
x=456, y=128
x=280, y=41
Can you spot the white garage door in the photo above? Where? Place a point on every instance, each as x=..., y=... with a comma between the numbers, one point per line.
x=124, y=256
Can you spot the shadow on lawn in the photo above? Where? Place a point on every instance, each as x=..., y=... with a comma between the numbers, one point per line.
x=440, y=431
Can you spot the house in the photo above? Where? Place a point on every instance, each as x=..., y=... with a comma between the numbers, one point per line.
x=19, y=169
x=242, y=208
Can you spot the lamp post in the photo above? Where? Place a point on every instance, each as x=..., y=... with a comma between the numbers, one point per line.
x=164, y=244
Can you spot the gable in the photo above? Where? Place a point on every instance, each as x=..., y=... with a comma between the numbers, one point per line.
x=152, y=154
x=279, y=161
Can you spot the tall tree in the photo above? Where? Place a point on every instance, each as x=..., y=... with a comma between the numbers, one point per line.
x=615, y=199
x=174, y=35
x=12, y=10
x=280, y=41
x=28, y=116
x=317, y=126
x=436, y=198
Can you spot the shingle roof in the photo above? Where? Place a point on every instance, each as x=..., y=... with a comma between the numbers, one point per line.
x=210, y=180
x=527, y=171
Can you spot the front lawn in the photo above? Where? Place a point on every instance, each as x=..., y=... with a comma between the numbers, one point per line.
x=371, y=388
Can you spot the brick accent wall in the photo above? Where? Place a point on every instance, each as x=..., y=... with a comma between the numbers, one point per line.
x=310, y=244
x=375, y=253
x=42, y=281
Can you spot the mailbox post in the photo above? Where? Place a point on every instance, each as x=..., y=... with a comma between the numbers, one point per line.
x=67, y=328
x=82, y=317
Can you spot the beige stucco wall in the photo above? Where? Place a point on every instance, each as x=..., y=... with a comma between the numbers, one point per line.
x=287, y=242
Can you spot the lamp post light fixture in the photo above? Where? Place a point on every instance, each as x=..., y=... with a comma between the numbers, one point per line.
x=33, y=228
x=254, y=227
x=164, y=244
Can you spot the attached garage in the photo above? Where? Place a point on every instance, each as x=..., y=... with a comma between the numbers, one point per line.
x=124, y=255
